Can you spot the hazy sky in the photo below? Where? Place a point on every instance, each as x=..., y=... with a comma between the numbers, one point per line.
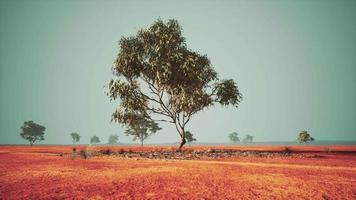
x=294, y=62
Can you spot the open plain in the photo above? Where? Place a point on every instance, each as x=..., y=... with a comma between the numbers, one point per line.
x=51, y=172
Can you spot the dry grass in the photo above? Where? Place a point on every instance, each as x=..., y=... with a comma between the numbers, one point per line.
x=38, y=173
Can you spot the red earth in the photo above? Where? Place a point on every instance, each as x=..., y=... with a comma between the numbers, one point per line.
x=39, y=173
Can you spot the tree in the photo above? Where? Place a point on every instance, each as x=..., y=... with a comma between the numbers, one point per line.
x=189, y=137
x=94, y=140
x=32, y=132
x=75, y=137
x=234, y=137
x=113, y=139
x=248, y=139
x=161, y=79
x=304, y=137
x=142, y=128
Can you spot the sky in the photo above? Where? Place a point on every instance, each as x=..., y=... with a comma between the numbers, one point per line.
x=293, y=61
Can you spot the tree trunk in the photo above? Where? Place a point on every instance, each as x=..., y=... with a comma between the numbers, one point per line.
x=141, y=143
x=183, y=141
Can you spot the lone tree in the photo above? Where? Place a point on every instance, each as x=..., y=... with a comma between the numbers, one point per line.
x=141, y=128
x=32, y=132
x=161, y=79
x=113, y=139
x=305, y=137
x=75, y=137
x=94, y=140
x=248, y=139
x=189, y=137
x=234, y=137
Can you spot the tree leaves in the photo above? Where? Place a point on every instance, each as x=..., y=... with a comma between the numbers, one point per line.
x=227, y=93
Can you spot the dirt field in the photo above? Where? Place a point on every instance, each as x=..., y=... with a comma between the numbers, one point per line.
x=40, y=173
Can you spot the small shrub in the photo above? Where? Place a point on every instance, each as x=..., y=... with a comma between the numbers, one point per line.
x=106, y=152
x=84, y=153
x=121, y=151
x=211, y=150
x=287, y=150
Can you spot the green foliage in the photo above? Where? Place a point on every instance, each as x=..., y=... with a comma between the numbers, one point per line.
x=159, y=76
x=94, y=140
x=234, y=137
x=141, y=128
x=113, y=139
x=304, y=137
x=189, y=137
x=75, y=137
x=32, y=132
x=248, y=139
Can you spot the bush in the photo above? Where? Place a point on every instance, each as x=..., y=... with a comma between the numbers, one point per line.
x=287, y=150
x=121, y=151
x=106, y=152
x=85, y=154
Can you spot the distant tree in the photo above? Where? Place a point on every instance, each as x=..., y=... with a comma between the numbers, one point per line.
x=113, y=139
x=234, y=137
x=304, y=137
x=159, y=76
x=189, y=137
x=141, y=128
x=248, y=139
x=75, y=137
x=32, y=132
x=94, y=140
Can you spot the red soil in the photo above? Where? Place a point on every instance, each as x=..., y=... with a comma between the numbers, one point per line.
x=39, y=173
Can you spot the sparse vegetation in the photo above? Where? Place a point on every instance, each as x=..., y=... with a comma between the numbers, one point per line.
x=106, y=151
x=32, y=132
x=158, y=75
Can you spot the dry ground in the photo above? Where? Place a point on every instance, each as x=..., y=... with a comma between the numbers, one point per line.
x=39, y=173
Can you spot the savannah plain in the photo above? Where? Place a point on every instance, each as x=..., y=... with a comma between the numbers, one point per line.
x=52, y=172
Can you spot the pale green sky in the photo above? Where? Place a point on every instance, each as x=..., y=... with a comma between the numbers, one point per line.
x=294, y=61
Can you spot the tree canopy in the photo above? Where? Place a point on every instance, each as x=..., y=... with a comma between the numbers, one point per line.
x=113, y=139
x=94, y=140
x=248, y=139
x=189, y=137
x=161, y=79
x=305, y=137
x=32, y=132
x=234, y=137
x=75, y=137
x=142, y=128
